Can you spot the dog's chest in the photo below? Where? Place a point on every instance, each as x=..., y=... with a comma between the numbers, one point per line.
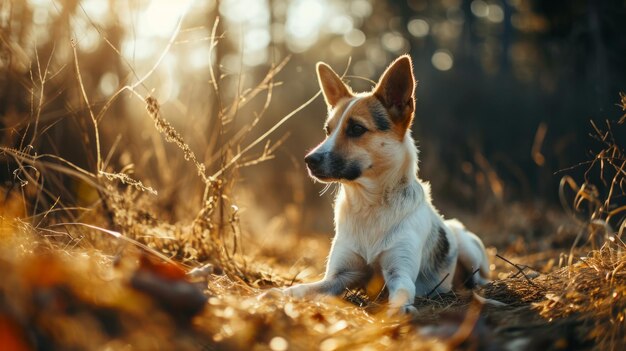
x=370, y=233
x=367, y=236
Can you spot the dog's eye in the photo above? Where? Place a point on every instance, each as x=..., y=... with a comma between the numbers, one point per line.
x=355, y=130
x=327, y=130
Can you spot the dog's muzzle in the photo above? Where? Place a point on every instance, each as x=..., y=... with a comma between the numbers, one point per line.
x=327, y=166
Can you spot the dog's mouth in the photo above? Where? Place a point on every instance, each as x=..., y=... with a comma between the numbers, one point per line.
x=331, y=167
x=349, y=173
x=320, y=176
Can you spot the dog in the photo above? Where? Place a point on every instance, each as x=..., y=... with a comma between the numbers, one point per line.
x=384, y=218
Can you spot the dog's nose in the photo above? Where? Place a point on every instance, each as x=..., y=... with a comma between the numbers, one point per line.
x=313, y=160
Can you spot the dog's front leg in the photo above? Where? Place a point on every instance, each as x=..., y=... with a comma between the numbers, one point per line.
x=344, y=268
x=400, y=266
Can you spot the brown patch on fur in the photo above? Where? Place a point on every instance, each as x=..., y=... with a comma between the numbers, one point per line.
x=359, y=112
x=358, y=147
x=336, y=113
x=363, y=147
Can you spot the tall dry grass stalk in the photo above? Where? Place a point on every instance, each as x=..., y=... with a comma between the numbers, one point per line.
x=597, y=204
x=126, y=205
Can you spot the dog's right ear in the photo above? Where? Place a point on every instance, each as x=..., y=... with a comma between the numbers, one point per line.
x=332, y=87
x=395, y=91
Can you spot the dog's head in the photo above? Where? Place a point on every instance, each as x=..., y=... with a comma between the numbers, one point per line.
x=365, y=133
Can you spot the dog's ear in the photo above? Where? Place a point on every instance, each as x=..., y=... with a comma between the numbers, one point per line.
x=395, y=91
x=332, y=86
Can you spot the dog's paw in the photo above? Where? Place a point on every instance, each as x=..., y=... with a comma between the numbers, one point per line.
x=297, y=291
x=408, y=310
x=273, y=293
x=405, y=310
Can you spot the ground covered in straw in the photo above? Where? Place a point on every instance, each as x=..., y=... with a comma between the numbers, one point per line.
x=61, y=298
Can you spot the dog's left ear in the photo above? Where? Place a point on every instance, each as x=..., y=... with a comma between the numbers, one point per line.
x=395, y=90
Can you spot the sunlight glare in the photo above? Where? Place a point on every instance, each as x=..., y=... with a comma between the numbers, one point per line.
x=251, y=30
x=161, y=17
x=305, y=17
x=97, y=10
x=249, y=12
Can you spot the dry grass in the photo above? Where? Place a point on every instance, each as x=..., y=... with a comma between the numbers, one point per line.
x=101, y=268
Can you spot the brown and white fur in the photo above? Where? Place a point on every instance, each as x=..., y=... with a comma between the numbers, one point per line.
x=384, y=218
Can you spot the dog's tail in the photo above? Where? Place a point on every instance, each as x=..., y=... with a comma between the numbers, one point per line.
x=472, y=255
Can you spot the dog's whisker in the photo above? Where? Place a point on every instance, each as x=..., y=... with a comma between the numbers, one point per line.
x=325, y=189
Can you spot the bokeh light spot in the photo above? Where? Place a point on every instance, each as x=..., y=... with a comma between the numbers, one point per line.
x=256, y=39
x=355, y=37
x=418, y=28
x=340, y=24
x=479, y=8
x=278, y=344
x=442, y=60
x=361, y=8
x=394, y=42
x=108, y=83
x=495, y=13
x=304, y=19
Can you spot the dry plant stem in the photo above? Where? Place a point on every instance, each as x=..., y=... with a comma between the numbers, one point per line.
x=42, y=84
x=69, y=168
x=122, y=237
x=519, y=269
x=436, y=286
x=472, y=276
x=266, y=84
x=165, y=51
x=251, y=94
x=91, y=114
x=212, y=45
x=140, y=82
x=172, y=136
x=117, y=51
x=218, y=98
x=33, y=161
x=107, y=210
x=265, y=135
x=270, y=131
x=125, y=179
